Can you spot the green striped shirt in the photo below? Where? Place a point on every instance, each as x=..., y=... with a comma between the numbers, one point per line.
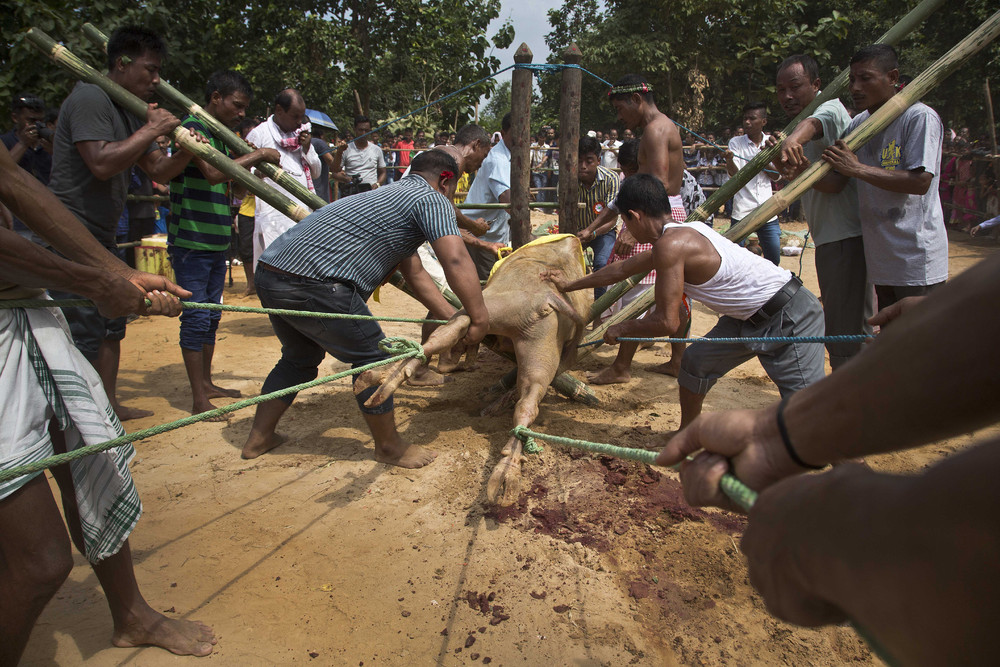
x=598, y=196
x=200, y=218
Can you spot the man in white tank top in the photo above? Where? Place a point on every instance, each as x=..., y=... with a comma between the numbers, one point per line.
x=755, y=298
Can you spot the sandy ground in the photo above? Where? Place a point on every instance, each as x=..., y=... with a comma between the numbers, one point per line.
x=317, y=554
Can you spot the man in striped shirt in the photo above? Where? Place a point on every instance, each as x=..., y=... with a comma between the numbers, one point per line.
x=332, y=261
x=598, y=190
x=199, y=231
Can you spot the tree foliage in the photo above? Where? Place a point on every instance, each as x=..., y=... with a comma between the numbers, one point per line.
x=397, y=54
x=737, y=44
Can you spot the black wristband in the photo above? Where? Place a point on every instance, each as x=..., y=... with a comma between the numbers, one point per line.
x=783, y=430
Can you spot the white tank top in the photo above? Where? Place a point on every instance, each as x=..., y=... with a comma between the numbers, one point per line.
x=744, y=281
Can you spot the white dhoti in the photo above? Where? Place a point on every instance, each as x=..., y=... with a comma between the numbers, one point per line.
x=45, y=376
x=432, y=265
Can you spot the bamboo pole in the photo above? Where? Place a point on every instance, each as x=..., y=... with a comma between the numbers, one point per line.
x=62, y=56
x=569, y=141
x=520, y=149
x=224, y=134
x=902, y=28
x=881, y=119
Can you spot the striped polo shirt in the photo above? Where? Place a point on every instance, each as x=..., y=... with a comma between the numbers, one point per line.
x=199, y=212
x=598, y=196
x=360, y=239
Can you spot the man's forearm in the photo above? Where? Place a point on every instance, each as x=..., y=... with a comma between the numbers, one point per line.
x=883, y=400
x=162, y=169
x=25, y=263
x=806, y=131
x=614, y=273
x=39, y=209
x=868, y=550
x=902, y=181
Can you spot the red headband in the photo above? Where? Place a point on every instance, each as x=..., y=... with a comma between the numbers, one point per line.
x=447, y=174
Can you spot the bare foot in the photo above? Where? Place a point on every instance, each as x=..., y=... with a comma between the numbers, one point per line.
x=250, y=291
x=260, y=444
x=125, y=413
x=609, y=375
x=646, y=345
x=175, y=635
x=425, y=377
x=668, y=368
x=404, y=455
x=664, y=351
x=215, y=391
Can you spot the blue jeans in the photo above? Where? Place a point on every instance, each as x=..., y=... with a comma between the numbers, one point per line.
x=306, y=340
x=770, y=240
x=203, y=273
x=602, y=246
x=539, y=180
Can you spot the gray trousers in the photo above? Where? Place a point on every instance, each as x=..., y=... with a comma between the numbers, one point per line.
x=847, y=296
x=791, y=366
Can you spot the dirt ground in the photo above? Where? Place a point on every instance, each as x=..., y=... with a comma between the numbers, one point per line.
x=315, y=553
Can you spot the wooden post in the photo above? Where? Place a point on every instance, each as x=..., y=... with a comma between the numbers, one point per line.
x=569, y=141
x=359, y=109
x=520, y=149
x=993, y=129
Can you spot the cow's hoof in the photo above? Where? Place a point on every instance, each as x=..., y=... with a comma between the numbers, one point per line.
x=504, y=486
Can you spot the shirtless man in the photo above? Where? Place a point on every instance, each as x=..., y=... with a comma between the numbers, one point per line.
x=660, y=155
x=754, y=297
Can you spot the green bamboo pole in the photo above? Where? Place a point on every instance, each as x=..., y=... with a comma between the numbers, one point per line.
x=930, y=78
x=903, y=27
x=564, y=383
x=227, y=136
x=877, y=122
x=62, y=56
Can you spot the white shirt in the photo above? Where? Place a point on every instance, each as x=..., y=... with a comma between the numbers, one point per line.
x=609, y=159
x=363, y=162
x=492, y=180
x=744, y=281
x=269, y=223
x=758, y=190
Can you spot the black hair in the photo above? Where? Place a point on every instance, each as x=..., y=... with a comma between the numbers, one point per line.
x=808, y=63
x=644, y=192
x=470, y=134
x=247, y=124
x=134, y=41
x=434, y=162
x=361, y=119
x=753, y=106
x=227, y=82
x=505, y=123
x=51, y=115
x=590, y=146
x=628, y=153
x=27, y=101
x=881, y=55
x=633, y=80
x=286, y=98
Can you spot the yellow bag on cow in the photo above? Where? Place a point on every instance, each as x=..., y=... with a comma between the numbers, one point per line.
x=503, y=256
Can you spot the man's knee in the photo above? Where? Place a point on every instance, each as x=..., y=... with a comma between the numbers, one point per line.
x=45, y=567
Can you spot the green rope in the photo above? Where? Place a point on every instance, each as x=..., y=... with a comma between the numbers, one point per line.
x=737, y=491
x=412, y=348
x=190, y=305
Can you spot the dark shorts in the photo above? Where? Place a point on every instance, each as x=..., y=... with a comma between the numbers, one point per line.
x=203, y=273
x=305, y=341
x=89, y=327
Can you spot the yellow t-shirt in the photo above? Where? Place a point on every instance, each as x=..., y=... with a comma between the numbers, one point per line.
x=248, y=206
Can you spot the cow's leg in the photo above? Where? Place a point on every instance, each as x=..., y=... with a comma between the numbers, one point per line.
x=537, y=363
x=443, y=338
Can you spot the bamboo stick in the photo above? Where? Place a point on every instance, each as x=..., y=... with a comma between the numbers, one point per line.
x=224, y=134
x=902, y=28
x=993, y=128
x=64, y=57
x=881, y=119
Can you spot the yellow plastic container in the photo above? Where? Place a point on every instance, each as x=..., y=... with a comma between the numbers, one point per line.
x=151, y=256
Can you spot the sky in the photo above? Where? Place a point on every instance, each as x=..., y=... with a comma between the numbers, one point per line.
x=531, y=22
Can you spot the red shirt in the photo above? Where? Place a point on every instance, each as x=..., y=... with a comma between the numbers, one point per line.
x=404, y=155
